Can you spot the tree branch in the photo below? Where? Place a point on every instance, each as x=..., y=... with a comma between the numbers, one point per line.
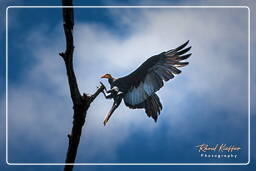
x=81, y=103
x=68, y=23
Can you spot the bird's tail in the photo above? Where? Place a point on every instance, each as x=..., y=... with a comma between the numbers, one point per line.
x=153, y=106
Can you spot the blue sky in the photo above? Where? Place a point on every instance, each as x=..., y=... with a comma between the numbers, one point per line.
x=207, y=103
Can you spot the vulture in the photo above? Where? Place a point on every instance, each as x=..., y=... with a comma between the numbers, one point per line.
x=138, y=89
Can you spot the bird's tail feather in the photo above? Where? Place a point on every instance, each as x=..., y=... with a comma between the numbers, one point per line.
x=152, y=106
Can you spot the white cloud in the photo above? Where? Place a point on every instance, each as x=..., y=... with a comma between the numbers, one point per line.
x=217, y=71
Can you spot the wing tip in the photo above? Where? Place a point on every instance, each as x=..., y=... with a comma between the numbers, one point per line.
x=182, y=46
x=183, y=51
x=178, y=48
x=185, y=44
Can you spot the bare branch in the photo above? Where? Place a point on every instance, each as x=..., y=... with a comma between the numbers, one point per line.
x=68, y=20
x=81, y=103
x=100, y=89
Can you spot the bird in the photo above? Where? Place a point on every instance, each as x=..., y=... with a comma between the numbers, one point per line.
x=138, y=89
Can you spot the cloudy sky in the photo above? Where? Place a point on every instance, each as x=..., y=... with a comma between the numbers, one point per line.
x=206, y=103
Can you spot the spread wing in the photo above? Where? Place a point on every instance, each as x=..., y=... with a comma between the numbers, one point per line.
x=149, y=77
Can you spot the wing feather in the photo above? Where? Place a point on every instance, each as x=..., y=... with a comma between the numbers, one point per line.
x=149, y=77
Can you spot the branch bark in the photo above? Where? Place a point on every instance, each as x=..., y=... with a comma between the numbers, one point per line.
x=81, y=103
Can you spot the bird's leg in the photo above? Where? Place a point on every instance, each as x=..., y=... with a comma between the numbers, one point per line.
x=113, y=90
x=109, y=96
x=111, y=93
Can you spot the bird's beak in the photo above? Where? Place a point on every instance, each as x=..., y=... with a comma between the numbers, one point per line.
x=110, y=113
x=104, y=76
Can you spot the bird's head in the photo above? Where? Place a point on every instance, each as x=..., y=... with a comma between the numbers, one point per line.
x=108, y=76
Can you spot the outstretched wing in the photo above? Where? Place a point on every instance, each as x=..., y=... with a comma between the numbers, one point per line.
x=148, y=78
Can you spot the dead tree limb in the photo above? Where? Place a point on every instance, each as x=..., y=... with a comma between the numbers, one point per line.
x=81, y=103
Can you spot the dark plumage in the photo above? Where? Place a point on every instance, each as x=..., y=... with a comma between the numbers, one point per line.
x=138, y=88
